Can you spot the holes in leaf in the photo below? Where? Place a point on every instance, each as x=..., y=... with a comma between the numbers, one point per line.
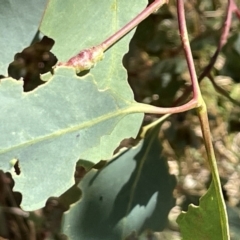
x=17, y=168
x=82, y=73
x=33, y=61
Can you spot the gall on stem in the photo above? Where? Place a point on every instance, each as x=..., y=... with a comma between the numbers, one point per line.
x=86, y=59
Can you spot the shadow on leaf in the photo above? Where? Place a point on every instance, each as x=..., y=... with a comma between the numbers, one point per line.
x=133, y=192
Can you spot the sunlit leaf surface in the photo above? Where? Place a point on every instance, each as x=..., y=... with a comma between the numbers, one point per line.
x=50, y=128
x=77, y=25
x=19, y=21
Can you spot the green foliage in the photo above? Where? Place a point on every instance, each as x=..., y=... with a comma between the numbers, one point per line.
x=18, y=25
x=132, y=192
x=65, y=93
x=79, y=26
x=203, y=222
x=44, y=139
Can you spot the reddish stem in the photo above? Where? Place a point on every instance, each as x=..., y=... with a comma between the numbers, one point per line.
x=133, y=23
x=87, y=58
x=222, y=91
x=146, y=108
x=232, y=7
x=187, y=49
x=235, y=9
x=223, y=39
x=188, y=53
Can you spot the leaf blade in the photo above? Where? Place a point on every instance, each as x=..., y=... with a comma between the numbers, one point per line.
x=19, y=24
x=51, y=129
x=87, y=17
x=127, y=195
x=205, y=218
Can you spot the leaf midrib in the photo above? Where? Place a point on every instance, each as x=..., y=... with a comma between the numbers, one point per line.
x=58, y=133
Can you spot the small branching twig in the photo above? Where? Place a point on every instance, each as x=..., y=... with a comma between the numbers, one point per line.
x=231, y=8
x=222, y=91
x=187, y=50
x=222, y=41
x=133, y=23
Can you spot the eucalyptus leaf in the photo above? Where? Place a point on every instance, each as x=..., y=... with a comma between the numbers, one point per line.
x=50, y=128
x=69, y=117
x=203, y=221
x=19, y=21
x=133, y=192
x=79, y=25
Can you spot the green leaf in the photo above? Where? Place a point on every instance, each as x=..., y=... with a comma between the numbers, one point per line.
x=67, y=118
x=133, y=192
x=85, y=24
x=50, y=128
x=203, y=222
x=19, y=24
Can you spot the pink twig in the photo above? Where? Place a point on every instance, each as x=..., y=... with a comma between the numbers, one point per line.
x=232, y=7
x=87, y=58
x=188, y=53
x=222, y=91
x=223, y=39
x=133, y=23
x=236, y=9
x=187, y=49
x=146, y=108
